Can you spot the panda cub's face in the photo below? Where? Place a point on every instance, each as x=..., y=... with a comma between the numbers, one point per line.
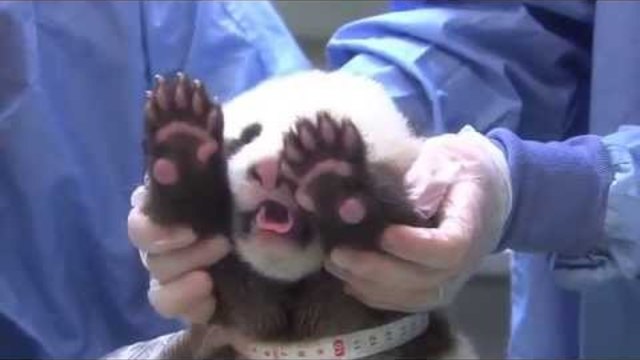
x=270, y=231
x=318, y=133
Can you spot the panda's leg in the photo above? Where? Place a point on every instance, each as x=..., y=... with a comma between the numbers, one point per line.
x=186, y=165
x=326, y=160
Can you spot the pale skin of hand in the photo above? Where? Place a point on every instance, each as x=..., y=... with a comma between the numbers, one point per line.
x=180, y=286
x=416, y=263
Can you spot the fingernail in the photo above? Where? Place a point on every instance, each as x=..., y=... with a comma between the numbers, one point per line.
x=334, y=269
x=341, y=258
x=183, y=235
x=160, y=246
x=386, y=243
x=176, y=239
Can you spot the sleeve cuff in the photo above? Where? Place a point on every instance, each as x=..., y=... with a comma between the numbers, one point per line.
x=560, y=193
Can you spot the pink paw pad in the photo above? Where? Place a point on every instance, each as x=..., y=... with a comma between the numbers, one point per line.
x=165, y=172
x=206, y=150
x=352, y=211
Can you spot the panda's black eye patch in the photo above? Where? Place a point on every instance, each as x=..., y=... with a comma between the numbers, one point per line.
x=248, y=134
x=252, y=174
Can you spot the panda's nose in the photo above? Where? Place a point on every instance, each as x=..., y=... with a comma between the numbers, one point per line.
x=266, y=172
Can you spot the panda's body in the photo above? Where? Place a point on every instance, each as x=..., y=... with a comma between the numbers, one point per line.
x=320, y=163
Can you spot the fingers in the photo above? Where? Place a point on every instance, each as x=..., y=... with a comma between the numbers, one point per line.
x=173, y=256
x=393, y=300
x=446, y=246
x=386, y=283
x=383, y=282
x=155, y=239
x=429, y=182
x=439, y=248
x=201, y=312
x=185, y=295
x=381, y=272
x=165, y=267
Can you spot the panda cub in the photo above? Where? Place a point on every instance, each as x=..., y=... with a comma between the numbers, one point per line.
x=287, y=171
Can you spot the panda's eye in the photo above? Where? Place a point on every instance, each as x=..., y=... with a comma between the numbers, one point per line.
x=252, y=174
x=247, y=136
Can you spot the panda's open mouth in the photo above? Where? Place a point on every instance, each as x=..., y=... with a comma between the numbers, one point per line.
x=274, y=217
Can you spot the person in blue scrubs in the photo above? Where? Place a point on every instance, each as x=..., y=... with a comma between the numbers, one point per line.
x=72, y=83
x=562, y=75
x=554, y=87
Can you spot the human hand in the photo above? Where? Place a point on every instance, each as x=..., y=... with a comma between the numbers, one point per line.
x=180, y=285
x=463, y=179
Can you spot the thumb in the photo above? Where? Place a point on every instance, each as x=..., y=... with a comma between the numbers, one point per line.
x=443, y=247
x=428, y=182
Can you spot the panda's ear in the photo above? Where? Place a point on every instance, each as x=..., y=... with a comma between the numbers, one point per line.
x=248, y=134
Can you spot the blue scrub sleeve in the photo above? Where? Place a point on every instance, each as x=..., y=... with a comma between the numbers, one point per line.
x=618, y=254
x=447, y=64
x=577, y=201
x=560, y=193
x=230, y=45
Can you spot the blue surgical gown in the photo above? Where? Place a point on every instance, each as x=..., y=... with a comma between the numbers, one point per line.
x=72, y=81
x=563, y=73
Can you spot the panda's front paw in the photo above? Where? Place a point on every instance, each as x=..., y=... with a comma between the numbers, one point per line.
x=185, y=160
x=326, y=159
x=184, y=129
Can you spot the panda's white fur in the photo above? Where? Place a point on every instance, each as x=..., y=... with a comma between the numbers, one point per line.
x=276, y=104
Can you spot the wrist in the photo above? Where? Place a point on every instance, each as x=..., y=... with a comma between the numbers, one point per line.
x=497, y=171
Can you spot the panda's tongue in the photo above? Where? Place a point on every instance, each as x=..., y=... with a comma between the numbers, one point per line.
x=274, y=217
